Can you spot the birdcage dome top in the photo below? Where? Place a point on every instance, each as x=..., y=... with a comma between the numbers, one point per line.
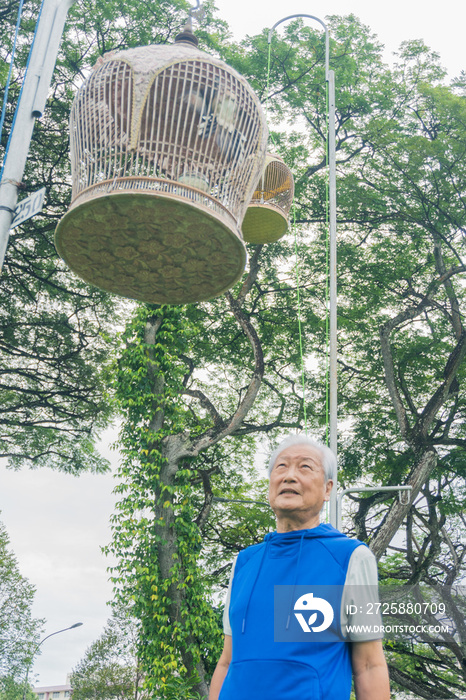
x=147, y=61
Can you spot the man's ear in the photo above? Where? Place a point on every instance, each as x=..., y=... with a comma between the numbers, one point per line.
x=328, y=488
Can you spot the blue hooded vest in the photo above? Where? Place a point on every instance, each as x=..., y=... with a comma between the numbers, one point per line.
x=261, y=668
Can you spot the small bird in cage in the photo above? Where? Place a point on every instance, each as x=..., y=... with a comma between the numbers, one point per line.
x=218, y=113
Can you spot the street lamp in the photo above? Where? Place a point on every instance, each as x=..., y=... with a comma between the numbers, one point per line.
x=330, y=78
x=77, y=624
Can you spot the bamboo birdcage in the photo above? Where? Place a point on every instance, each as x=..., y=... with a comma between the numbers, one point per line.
x=167, y=146
x=266, y=218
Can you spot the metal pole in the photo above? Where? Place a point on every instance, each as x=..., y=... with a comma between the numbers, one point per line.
x=333, y=288
x=31, y=105
x=330, y=78
x=77, y=624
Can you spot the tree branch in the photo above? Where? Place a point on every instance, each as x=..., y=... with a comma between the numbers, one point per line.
x=207, y=404
x=208, y=498
x=398, y=511
x=427, y=416
x=157, y=379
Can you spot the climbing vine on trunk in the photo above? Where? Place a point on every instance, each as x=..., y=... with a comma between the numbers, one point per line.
x=156, y=539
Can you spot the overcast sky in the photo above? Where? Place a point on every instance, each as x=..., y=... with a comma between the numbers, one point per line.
x=57, y=522
x=441, y=26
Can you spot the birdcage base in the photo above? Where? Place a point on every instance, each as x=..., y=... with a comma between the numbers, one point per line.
x=149, y=248
x=263, y=224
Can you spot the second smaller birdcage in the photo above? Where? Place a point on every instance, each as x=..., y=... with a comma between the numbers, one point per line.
x=266, y=219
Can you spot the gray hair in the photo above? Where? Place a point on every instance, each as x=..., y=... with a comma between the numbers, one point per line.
x=329, y=462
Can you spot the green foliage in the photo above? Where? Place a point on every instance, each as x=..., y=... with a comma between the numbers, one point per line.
x=110, y=667
x=4, y=68
x=148, y=386
x=12, y=690
x=19, y=630
x=56, y=332
x=400, y=169
x=54, y=329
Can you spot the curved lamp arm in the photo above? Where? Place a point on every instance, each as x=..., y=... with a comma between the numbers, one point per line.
x=327, y=49
x=77, y=624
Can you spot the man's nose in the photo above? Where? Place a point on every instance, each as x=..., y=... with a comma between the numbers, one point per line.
x=290, y=475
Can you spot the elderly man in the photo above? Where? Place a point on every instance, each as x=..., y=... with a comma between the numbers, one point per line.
x=302, y=552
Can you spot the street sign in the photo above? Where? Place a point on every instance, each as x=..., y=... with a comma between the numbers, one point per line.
x=28, y=207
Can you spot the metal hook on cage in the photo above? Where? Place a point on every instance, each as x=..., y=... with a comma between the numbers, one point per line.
x=198, y=12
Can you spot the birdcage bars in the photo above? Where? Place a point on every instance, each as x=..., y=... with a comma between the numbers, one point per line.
x=163, y=140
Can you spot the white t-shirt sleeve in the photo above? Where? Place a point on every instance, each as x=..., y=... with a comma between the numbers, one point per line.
x=361, y=620
x=226, y=611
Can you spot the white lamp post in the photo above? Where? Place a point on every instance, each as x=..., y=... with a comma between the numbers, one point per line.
x=330, y=78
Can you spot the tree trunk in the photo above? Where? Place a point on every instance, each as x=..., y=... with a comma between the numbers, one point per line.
x=167, y=552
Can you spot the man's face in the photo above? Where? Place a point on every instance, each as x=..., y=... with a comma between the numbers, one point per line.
x=297, y=482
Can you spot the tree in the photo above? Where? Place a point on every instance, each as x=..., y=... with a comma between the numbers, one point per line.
x=110, y=667
x=400, y=149
x=201, y=387
x=400, y=145
x=19, y=630
x=54, y=329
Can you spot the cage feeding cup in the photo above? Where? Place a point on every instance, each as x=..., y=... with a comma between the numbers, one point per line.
x=167, y=147
x=266, y=219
